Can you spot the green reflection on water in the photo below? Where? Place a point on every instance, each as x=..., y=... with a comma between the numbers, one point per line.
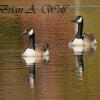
x=9, y=31
x=9, y=41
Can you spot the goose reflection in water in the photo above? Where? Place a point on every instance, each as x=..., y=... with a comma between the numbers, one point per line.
x=31, y=75
x=79, y=52
x=31, y=65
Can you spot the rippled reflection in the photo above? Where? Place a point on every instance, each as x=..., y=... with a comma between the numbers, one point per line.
x=79, y=52
x=31, y=76
x=31, y=65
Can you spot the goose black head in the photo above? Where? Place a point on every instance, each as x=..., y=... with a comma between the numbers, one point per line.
x=28, y=31
x=78, y=19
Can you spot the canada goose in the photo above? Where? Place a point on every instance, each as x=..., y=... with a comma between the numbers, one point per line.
x=82, y=39
x=31, y=48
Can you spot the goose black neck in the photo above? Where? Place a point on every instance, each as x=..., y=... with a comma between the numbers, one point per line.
x=80, y=30
x=31, y=42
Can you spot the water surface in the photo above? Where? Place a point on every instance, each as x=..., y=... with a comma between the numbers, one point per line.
x=59, y=78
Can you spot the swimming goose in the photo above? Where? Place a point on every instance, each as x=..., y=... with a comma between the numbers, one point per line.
x=31, y=50
x=81, y=39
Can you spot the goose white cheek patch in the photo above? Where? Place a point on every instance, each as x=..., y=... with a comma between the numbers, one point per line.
x=80, y=20
x=31, y=32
